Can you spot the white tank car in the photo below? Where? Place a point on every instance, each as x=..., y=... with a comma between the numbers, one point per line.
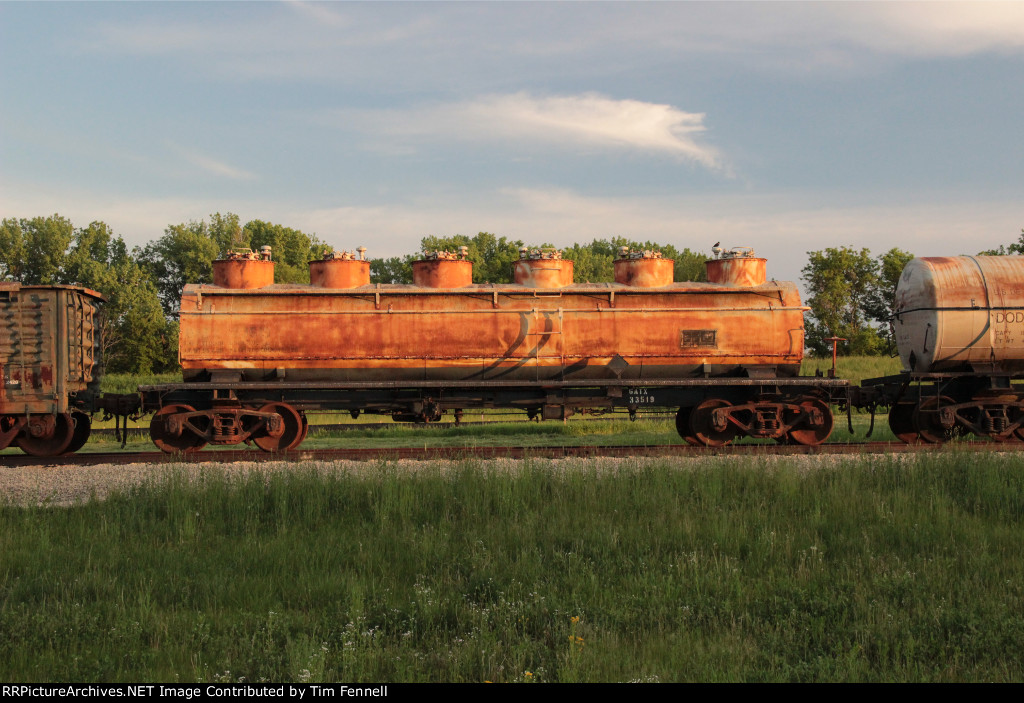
x=961, y=313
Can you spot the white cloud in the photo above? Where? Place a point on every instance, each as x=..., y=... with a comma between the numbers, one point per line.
x=935, y=28
x=589, y=120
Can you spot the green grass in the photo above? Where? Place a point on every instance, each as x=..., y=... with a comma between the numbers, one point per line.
x=127, y=383
x=878, y=569
x=853, y=368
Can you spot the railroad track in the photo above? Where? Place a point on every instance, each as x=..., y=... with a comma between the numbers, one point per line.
x=494, y=452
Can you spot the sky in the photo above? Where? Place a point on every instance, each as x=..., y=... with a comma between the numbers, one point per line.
x=786, y=127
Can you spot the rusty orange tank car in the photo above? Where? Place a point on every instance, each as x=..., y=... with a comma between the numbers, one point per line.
x=725, y=354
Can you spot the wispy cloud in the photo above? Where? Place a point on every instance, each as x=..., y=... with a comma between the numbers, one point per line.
x=589, y=120
x=320, y=13
x=213, y=166
x=407, y=44
x=935, y=28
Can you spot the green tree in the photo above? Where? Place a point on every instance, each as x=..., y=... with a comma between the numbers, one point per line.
x=689, y=264
x=1014, y=248
x=492, y=256
x=840, y=284
x=594, y=262
x=226, y=231
x=134, y=333
x=34, y=251
x=292, y=249
x=880, y=301
x=185, y=254
x=397, y=269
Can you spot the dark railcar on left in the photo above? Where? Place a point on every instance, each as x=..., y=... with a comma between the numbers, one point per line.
x=50, y=366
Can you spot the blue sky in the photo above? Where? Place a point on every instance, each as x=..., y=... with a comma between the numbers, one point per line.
x=786, y=127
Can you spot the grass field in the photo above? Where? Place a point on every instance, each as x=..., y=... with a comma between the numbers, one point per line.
x=873, y=569
x=854, y=368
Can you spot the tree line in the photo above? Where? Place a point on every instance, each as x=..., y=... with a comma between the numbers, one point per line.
x=850, y=293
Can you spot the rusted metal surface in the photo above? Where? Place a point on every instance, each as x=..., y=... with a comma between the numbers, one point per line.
x=440, y=272
x=181, y=428
x=738, y=267
x=49, y=346
x=340, y=269
x=49, y=363
x=961, y=313
x=542, y=268
x=339, y=273
x=835, y=352
x=643, y=269
x=479, y=333
x=716, y=422
x=552, y=348
x=244, y=270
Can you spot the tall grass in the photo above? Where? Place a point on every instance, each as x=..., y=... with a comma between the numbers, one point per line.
x=879, y=569
x=853, y=368
x=129, y=383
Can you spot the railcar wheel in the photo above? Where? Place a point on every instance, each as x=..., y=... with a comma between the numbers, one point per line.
x=53, y=442
x=814, y=435
x=683, y=426
x=901, y=422
x=167, y=441
x=290, y=437
x=704, y=428
x=927, y=420
x=83, y=427
x=305, y=429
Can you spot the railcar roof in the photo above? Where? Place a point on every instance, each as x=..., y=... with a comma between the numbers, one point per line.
x=15, y=286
